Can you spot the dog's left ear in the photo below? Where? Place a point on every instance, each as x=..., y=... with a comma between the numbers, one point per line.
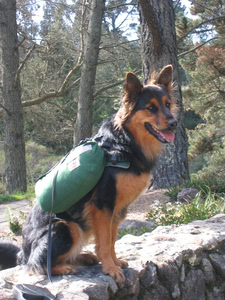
x=165, y=77
x=133, y=85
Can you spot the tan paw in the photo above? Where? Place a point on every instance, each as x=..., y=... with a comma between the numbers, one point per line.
x=114, y=271
x=65, y=269
x=87, y=259
x=121, y=263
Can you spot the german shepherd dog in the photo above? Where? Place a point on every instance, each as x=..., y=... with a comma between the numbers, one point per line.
x=144, y=122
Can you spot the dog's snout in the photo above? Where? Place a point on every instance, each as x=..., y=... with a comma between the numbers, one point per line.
x=172, y=124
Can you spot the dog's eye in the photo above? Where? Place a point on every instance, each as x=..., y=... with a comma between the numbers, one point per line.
x=153, y=108
x=168, y=105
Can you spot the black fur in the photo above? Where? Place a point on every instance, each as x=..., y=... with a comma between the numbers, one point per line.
x=8, y=255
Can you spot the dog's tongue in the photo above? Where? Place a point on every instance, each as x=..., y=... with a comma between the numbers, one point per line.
x=168, y=136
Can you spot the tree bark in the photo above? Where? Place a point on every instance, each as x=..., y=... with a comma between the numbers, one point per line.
x=14, y=146
x=83, y=127
x=158, y=51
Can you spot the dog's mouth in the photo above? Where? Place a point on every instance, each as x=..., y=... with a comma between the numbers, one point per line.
x=162, y=136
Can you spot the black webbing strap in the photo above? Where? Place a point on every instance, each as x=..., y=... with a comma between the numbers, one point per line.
x=49, y=255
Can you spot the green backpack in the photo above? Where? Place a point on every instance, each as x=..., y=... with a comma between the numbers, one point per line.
x=72, y=178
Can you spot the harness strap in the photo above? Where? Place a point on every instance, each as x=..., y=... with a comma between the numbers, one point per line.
x=49, y=255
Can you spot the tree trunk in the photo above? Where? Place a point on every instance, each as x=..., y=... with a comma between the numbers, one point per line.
x=14, y=147
x=83, y=127
x=159, y=49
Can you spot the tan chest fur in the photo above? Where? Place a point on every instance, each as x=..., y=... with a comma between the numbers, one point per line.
x=128, y=188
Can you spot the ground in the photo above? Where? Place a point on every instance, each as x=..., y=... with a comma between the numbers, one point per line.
x=136, y=211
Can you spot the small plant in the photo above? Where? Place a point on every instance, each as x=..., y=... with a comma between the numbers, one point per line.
x=15, y=222
x=133, y=231
x=202, y=207
x=206, y=185
x=173, y=192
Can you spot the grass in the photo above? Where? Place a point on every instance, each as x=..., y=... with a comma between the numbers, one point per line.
x=133, y=231
x=17, y=195
x=204, y=206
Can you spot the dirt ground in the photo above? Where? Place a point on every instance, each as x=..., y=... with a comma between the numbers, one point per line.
x=136, y=211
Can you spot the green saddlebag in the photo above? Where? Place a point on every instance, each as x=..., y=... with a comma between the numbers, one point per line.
x=77, y=174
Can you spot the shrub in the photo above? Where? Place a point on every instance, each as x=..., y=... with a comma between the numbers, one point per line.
x=199, y=209
x=15, y=222
x=39, y=160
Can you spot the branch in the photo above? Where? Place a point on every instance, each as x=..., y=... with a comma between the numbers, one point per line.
x=117, y=44
x=199, y=25
x=60, y=93
x=104, y=88
x=109, y=86
x=195, y=48
x=23, y=63
x=21, y=42
x=176, y=4
x=69, y=75
x=124, y=20
x=121, y=5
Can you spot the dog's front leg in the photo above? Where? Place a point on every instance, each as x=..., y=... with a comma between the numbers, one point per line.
x=102, y=226
x=117, y=261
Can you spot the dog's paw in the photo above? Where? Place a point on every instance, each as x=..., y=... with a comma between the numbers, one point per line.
x=121, y=263
x=114, y=271
x=65, y=269
x=87, y=259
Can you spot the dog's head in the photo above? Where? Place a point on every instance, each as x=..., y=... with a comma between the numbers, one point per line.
x=149, y=111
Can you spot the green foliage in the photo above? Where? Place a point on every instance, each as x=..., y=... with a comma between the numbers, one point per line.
x=133, y=231
x=39, y=160
x=207, y=151
x=15, y=222
x=16, y=196
x=205, y=184
x=202, y=207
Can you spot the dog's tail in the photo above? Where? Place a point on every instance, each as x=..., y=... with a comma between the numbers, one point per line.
x=8, y=255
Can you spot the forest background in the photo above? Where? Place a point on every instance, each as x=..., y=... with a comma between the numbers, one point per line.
x=50, y=70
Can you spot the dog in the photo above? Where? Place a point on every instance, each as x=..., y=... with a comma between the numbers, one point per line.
x=145, y=121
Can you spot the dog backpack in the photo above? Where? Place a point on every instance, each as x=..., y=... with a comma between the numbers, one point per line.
x=72, y=178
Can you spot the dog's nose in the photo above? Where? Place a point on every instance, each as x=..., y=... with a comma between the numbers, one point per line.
x=172, y=124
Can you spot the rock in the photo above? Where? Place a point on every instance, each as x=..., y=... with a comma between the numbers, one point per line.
x=194, y=286
x=218, y=262
x=187, y=194
x=207, y=270
x=172, y=262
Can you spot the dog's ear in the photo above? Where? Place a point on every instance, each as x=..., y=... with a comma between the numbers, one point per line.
x=165, y=77
x=133, y=85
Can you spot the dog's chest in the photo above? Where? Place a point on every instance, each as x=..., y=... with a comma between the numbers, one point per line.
x=129, y=187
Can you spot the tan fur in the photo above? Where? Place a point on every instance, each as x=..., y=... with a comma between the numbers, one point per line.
x=129, y=187
x=150, y=146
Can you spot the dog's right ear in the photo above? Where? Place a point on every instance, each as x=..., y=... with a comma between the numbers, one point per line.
x=133, y=85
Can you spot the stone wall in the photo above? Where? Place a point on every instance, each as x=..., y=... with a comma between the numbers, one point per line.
x=184, y=262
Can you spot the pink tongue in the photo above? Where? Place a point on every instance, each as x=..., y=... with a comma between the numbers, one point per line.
x=168, y=136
